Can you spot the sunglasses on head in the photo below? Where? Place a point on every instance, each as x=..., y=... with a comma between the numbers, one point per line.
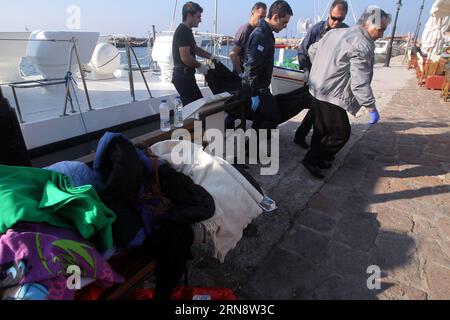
x=340, y=19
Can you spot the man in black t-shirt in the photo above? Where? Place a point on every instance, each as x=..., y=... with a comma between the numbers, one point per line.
x=237, y=55
x=184, y=50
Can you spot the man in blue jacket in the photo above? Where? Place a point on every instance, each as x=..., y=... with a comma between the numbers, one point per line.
x=336, y=17
x=259, y=66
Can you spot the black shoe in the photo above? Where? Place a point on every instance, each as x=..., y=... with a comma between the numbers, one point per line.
x=301, y=142
x=325, y=165
x=315, y=171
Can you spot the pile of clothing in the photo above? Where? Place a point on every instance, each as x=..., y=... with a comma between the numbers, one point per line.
x=69, y=215
x=62, y=226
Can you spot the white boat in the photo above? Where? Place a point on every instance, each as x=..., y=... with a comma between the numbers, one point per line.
x=51, y=58
x=286, y=80
x=104, y=100
x=286, y=77
x=46, y=123
x=381, y=48
x=11, y=52
x=162, y=53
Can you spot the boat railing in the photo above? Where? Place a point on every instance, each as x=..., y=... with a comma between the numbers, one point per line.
x=68, y=80
x=130, y=51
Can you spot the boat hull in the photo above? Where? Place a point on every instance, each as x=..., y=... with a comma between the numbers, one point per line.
x=285, y=80
x=11, y=54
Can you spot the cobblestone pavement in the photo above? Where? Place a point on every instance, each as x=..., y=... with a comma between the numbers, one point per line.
x=386, y=203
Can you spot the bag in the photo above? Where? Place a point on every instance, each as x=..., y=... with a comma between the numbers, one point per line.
x=292, y=103
x=221, y=79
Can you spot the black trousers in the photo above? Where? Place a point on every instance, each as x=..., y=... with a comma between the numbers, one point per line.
x=306, y=126
x=171, y=247
x=332, y=131
x=186, y=85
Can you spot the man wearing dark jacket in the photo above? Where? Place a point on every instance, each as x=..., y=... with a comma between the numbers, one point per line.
x=259, y=65
x=336, y=17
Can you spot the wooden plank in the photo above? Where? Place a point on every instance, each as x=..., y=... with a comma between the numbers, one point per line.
x=135, y=266
x=147, y=139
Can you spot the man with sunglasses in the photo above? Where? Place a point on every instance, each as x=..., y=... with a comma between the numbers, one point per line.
x=336, y=17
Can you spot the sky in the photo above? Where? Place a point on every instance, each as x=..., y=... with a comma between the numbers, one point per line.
x=136, y=17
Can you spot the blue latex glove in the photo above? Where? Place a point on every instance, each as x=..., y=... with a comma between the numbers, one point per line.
x=374, y=117
x=255, y=103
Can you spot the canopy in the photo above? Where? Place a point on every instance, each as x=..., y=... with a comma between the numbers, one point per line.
x=433, y=38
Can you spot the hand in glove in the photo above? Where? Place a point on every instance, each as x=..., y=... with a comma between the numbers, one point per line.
x=374, y=116
x=255, y=103
x=203, y=69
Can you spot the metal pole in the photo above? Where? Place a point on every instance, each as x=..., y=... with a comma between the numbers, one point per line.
x=215, y=25
x=416, y=34
x=173, y=15
x=216, y=17
x=19, y=113
x=68, y=79
x=353, y=10
x=142, y=72
x=325, y=11
x=394, y=28
x=154, y=35
x=130, y=69
x=77, y=54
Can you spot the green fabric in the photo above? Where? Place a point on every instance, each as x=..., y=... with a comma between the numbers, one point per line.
x=37, y=195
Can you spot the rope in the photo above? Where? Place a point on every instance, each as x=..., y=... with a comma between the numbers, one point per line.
x=43, y=40
x=353, y=10
x=138, y=43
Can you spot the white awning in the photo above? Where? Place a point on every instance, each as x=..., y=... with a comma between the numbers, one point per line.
x=433, y=38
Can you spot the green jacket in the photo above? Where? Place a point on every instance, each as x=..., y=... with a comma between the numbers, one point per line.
x=42, y=196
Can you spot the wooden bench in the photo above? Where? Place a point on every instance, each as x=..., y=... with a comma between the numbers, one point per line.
x=446, y=88
x=135, y=265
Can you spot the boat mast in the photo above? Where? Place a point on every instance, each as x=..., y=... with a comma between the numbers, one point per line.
x=326, y=8
x=394, y=28
x=215, y=16
x=353, y=10
x=173, y=15
x=416, y=34
x=215, y=25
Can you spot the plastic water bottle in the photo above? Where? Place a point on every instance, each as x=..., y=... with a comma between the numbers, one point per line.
x=164, y=114
x=178, y=108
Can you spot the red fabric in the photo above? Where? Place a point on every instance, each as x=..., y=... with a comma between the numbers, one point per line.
x=189, y=293
x=90, y=293
x=435, y=82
